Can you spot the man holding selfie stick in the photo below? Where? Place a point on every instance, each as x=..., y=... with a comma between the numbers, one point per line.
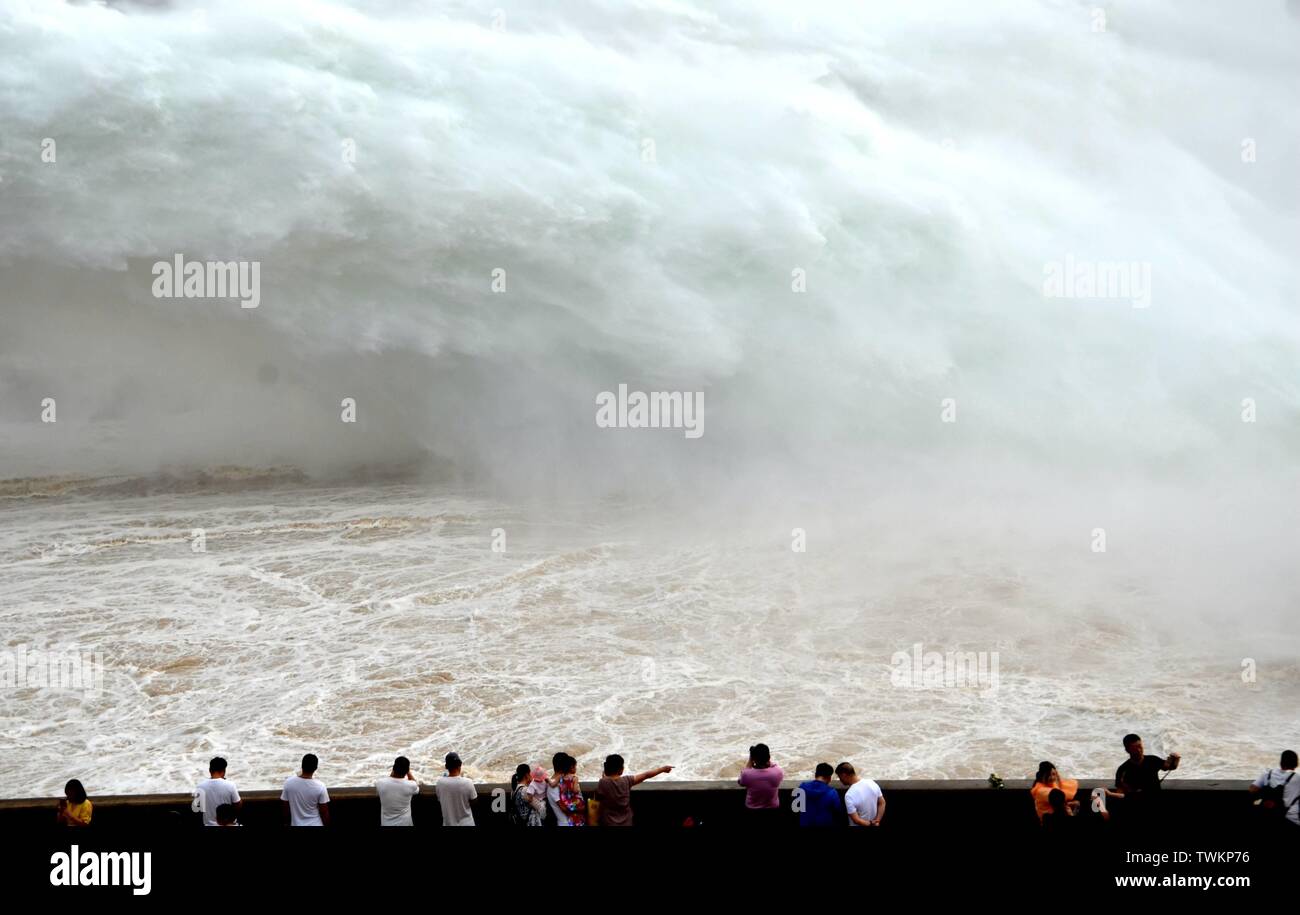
x=1138, y=780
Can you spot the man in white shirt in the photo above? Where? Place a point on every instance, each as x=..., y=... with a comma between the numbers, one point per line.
x=455, y=794
x=304, y=799
x=864, y=802
x=395, y=794
x=1282, y=778
x=214, y=791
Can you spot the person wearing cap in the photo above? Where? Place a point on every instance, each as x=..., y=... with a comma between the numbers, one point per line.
x=456, y=794
x=536, y=791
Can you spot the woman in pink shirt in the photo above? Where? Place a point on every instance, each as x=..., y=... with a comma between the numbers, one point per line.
x=761, y=778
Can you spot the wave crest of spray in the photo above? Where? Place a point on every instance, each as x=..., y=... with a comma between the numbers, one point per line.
x=649, y=178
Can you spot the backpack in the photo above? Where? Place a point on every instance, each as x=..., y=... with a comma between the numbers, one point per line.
x=1271, y=798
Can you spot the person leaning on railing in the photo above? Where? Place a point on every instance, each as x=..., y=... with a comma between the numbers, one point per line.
x=864, y=802
x=614, y=791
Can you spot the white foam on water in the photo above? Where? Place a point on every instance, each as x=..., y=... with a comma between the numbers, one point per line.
x=360, y=623
x=922, y=162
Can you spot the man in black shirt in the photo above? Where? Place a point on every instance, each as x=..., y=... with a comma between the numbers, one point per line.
x=1137, y=781
x=1141, y=772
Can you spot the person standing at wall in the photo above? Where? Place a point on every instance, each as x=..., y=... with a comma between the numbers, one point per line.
x=614, y=791
x=761, y=778
x=304, y=800
x=456, y=794
x=215, y=790
x=520, y=811
x=864, y=802
x=1045, y=782
x=1279, y=794
x=396, y=792
x=817, y=803
x=74, y=807
x=1137, y=782
x=564, y=793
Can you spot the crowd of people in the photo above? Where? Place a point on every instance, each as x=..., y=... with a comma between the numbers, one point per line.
x=539, y=798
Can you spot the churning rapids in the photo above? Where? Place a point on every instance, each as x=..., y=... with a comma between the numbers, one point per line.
x=363, y=622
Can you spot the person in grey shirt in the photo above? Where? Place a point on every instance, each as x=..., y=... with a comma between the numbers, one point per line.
x=455, y=793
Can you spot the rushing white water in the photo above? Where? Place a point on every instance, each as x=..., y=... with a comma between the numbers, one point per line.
x=360, y=623
x=648, y=176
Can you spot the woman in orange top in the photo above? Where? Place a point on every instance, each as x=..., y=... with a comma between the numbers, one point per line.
x=1047, y=779
x=75, y=809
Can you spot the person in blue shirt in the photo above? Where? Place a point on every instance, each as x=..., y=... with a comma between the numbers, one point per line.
x=817, y=802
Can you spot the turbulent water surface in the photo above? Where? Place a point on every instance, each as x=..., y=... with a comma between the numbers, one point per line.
x=360, y=622
x=838, y=222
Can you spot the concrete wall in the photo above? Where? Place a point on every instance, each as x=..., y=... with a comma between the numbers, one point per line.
x=1188, y=807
